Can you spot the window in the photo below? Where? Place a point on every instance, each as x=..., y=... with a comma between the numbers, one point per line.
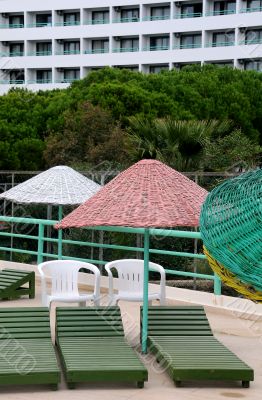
x=254, y=65
x=100, y=46
x=156, y=69
x=72, y=19
x=254, y=5
x=17, y=77
x=16, y=21
x=16, y=49
x=100, y=17
x=72, y=47
x=190, y=41
x=44, y=76
x=160, y=13
x=253, y=37
x=43, y=20
x=129, y=44
x=223, y=39
x=71, y=75
x=130, y=15
x=43, y=48
x=191, y=10
x=224, y=7
x=159, y=43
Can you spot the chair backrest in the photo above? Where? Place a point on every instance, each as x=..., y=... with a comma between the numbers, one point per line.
x=64, y=274
x=131, y=274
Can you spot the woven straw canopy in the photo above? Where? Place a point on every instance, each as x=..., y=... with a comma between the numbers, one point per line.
x=57, y=186
x=231, y=228
x=148, y=194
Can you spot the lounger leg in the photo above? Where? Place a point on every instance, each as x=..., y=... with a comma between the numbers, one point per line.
x=245, y=384
x=54, y=387
x=178, y=383
x=140, y=384
x=32, y=287
x=71, y=385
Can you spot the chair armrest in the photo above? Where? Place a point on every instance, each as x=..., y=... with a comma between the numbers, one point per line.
x=110, y=280
x=43, y=285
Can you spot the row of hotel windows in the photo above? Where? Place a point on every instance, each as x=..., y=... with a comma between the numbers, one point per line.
x=130, y=44
x=124, y=14
x=69, y=75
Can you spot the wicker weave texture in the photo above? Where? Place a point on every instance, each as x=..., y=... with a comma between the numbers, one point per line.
x=59, y=185
x=231, y=227
x=148, y=194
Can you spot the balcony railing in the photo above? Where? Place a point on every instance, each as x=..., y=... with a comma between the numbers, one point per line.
x=188, y=15
x=187, y=46
x=156, y=48
x=96, y=51
x=123, y=20
x=251, y=41
x=39, y=81
x=220, y=44
x=12, y=54
x=11, y=26
x=67, y=52
x=12, y=82
x=39, y=25
x=40, y=53
x=220, y=12
x=67, y=23
x=97, y=21
x=66, y=80
x=251, y=9
x=125, y=49
x=156, y=18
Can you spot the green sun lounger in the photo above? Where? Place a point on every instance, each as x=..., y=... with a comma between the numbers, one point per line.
x=27, y=354
x=12, y=283
x=182, y=340
x=93, y=348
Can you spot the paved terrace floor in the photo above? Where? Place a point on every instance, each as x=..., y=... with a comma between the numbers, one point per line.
x=246, y=342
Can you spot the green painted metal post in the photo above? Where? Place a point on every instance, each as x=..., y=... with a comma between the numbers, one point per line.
x=40, y=249
x=145, y=299
x=60, y=234
x=217, y=285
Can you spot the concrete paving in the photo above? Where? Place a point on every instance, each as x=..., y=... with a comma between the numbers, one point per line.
x=238, y=335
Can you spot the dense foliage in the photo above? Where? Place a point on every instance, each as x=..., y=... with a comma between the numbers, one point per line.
x=108, y=116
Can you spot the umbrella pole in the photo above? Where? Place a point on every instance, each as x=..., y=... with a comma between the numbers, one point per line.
x=60, y=233
x=145, y=299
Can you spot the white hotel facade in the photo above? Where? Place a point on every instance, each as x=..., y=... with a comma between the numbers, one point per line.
x=48, y=44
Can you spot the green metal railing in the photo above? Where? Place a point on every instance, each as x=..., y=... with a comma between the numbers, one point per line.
x=156, y=18
x=67, y=52
x=250, y=42
x=251, y=9
x=123, y=20
x=68, y=23
x=66, y=80
x=96, y=51
x=220, y=44
x=11, y=26
x=39, y=25
x=41, y=239
x=188, y=15
x=155, y=48
x=219, y=12
x=187, y=46
x=97, y=21
x=12, y=82
x=39, y=81
x=40, y=53
x=125, y=49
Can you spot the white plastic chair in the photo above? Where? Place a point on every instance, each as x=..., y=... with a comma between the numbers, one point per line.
x=131, y=280
x=64, y=282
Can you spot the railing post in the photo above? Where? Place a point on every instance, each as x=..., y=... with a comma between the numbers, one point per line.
x=217, y=285
x=60, y=234
x=40, y=249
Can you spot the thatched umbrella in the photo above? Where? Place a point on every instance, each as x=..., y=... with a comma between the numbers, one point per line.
x=149, y=194
x=58, y=186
